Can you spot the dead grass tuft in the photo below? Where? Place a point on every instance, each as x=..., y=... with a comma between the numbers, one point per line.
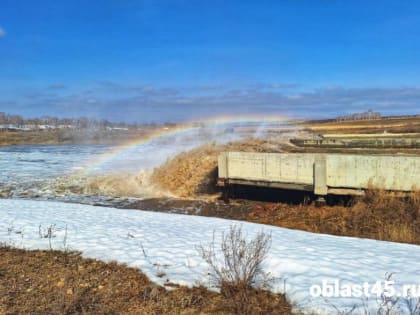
x=238, y=272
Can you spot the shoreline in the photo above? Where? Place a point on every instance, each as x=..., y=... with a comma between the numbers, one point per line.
x=65, y=137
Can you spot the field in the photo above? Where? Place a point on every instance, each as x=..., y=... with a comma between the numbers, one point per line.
x=47, y=281
x=384, y=125
x=57, y=137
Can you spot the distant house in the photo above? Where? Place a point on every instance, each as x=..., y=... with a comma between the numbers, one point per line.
x=66, y=127
x=46, y=127
x=369, y=115
x=116, y=128
x=29, y=127
x=10, y=127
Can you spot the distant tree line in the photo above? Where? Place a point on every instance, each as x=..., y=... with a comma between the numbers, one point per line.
x=369, y=115
x=8, y=121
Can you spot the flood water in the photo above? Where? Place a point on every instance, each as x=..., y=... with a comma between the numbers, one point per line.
x=32, y=171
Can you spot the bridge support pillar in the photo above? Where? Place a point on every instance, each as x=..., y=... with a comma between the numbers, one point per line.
x=320, y=176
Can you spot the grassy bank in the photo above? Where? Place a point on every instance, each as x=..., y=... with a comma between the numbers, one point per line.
x=378, y=215
x=52, y=282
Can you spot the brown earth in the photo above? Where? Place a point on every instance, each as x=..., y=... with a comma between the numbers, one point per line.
x=53, y=137
x=377, y=215
x=390, y=125
x=57, y=137
x=52, y=282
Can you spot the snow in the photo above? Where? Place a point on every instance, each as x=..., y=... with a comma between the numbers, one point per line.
x=167, y=243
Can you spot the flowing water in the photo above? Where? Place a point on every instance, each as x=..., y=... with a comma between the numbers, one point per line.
x=61, y=172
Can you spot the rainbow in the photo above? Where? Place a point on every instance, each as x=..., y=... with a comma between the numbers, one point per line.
x=180, y=129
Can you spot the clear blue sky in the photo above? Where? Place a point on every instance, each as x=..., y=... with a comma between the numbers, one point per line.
x=175, y=60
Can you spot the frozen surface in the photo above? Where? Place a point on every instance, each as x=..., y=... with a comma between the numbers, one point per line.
x=160, y=242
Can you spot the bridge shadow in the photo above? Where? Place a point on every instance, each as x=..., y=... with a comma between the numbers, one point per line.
x=267, y=194
x=288, y=196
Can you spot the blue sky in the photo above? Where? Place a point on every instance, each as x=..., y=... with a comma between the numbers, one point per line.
x=180, y=60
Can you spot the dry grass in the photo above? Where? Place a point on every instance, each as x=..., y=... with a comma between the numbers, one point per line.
x=51, y=282
x=394, y=125
x=378, y=215
x=194, y=172
x=238, y=272
x=54, y=137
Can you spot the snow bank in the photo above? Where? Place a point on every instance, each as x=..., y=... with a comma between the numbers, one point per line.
x=161, y=243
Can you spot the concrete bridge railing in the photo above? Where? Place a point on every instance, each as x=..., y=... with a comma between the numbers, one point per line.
x=321, y=173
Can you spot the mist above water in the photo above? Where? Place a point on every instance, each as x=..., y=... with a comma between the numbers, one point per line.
x=90, y=173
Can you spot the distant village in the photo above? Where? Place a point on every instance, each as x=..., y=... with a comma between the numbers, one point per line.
x=10, y=122
x=369, y=115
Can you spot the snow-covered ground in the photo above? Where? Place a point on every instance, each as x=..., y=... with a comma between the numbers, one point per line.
x=166, y=243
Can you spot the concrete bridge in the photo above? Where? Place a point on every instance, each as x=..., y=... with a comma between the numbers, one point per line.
x=322, y=174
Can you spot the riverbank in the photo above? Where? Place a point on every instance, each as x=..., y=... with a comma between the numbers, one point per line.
x=377, y=215
x=70, y=137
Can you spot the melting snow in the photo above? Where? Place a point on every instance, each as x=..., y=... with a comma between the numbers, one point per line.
x=166, y=243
